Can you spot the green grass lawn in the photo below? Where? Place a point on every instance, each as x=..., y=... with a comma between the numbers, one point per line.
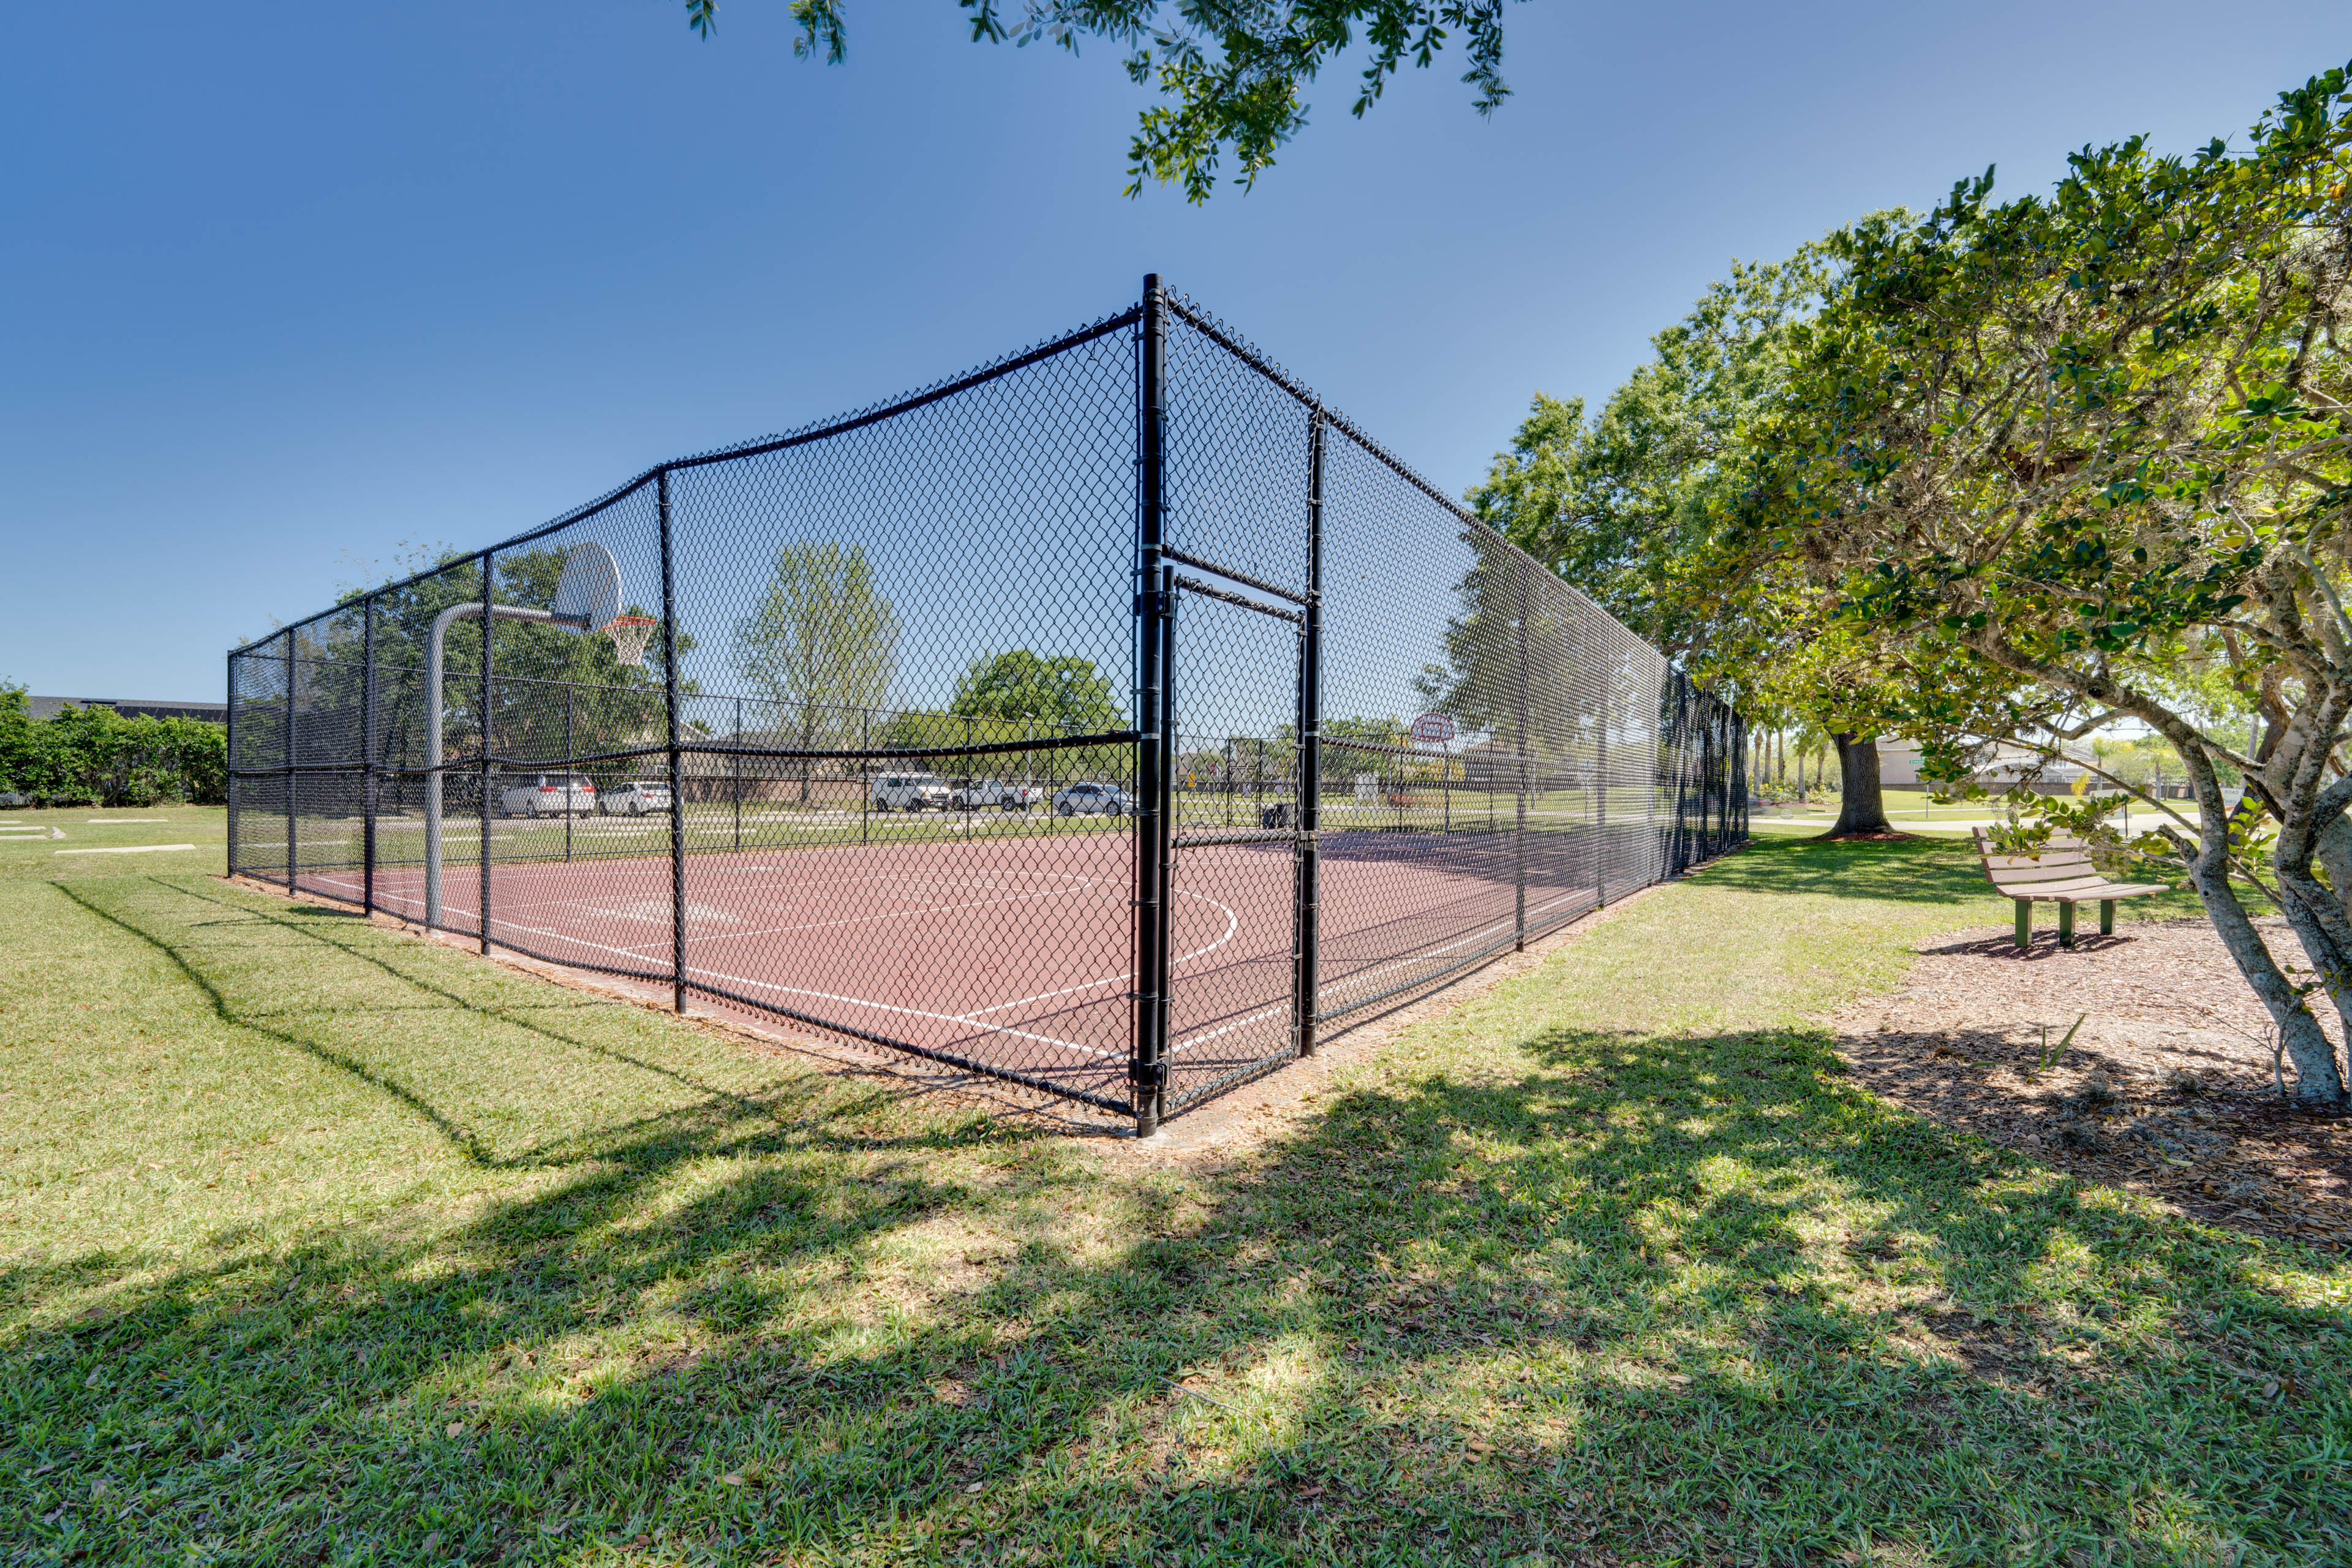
x=325, y=1244
x=55, y=842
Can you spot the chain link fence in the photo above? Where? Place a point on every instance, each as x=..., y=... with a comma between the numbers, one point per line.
x=1116, y=720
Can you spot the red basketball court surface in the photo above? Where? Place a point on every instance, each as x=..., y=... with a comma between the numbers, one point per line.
x=1016, y=951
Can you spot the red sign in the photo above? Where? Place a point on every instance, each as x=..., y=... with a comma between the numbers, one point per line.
x=1432, y=730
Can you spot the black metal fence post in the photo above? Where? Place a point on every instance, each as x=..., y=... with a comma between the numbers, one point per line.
x=735, y=766
x=293, y=792
x=1519, y=742
x=1147, y=1066
x=367, y=756
x=1600, y=806
x=1308, y=914
x=230, y=782
x=676, y=782
x=489, y=573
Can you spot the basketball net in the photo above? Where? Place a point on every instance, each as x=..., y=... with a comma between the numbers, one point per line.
x=630, y=633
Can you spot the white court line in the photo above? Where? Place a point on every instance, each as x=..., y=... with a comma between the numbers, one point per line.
x=1351, y=980
x=127, y=849
x=1233, y=923
x=799, y=991
x=822, y=995
x=903, y=914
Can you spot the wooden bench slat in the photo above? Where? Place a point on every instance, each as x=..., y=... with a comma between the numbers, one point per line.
x=2040, y=873
x=2027, y=862
x=2062, y=874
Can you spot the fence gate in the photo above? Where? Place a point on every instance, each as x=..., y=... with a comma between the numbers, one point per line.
x=1241, y=855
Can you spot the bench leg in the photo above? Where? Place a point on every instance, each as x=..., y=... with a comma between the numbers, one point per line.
x=2107, y=916
x=2025, y=922
x=2065, y=925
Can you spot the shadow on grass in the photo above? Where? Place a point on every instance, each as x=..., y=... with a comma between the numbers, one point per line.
x=1627, y=1297
x=1910, y=870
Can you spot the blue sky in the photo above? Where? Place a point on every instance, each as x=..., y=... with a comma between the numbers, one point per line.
x=283, y=288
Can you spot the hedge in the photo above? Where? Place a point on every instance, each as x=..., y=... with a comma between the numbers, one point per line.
x=95, y=757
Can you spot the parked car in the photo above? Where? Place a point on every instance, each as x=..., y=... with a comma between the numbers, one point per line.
x=1094, y=799
x=910, y=792
x=547, y=795
x=976, y=795
x=635, y=798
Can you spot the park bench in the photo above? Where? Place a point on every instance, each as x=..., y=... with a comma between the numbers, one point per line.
x=2061, y=875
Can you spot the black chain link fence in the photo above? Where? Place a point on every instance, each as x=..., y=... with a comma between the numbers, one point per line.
x=1116, y=720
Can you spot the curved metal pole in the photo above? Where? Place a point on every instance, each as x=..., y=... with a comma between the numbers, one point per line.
x=433, y=736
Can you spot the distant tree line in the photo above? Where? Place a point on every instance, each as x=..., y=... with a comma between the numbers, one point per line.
x=95, y=757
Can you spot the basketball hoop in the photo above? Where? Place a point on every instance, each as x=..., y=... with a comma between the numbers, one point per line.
x=630, y=633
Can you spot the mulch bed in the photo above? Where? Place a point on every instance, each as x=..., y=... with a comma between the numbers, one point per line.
x=2169, y=1087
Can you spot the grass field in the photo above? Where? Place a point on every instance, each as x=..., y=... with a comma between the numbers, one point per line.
x=58, y=842
x=327, y=1245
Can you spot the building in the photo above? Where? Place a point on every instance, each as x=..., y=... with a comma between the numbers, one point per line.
x=130, y=708
x=1998, y=767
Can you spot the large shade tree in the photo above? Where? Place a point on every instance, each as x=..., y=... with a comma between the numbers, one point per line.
x=1230, y=75
x=2096, y=444
x=1627, y=504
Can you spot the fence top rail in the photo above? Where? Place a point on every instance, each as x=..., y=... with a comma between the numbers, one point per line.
x=1180, y=305
x=1233, y=344
x=823, y=429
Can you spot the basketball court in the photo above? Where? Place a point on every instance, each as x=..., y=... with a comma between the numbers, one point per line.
x=1013, y=953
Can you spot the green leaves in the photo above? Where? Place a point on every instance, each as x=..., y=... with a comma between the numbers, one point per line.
x=1230, y=76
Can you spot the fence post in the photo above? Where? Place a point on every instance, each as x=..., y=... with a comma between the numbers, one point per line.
x=293, y=794
x=735, y=766
x=1519, y=837
x=570, y=747
x=229, y=782
x=1147, y=1068
x=1305, y=985
x=1601, y=807
x=489, y=571
x=676, y=782
x=367, y=756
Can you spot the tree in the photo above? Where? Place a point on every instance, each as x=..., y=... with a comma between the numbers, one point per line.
x=1230, y=76
x=2098, y=445
x=1628, y=505
x=95, y=757
x=821, y=643
x=1066, y=692
x=555, y=693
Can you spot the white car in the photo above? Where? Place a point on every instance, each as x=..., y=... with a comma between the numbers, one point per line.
x=910, y=792
x=1092, y=799
x=975, y=794
x=547, y=795
x=635, y=798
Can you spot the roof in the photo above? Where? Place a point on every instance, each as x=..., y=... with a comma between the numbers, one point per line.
x=50, y=707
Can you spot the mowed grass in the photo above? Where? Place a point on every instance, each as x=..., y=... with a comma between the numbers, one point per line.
x=323, y=1243
x=58, y=841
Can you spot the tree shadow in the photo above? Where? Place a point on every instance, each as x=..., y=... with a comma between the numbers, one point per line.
x=1912, y=871
x=1630, y=1297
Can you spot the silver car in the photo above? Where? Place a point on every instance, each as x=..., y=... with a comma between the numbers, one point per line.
x=547, y=795
x=635, y=798
x=1092, y=800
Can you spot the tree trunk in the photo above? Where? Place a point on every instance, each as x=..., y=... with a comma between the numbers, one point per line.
x=2318, y=1082
x=2334, y=852
x=1862, y=805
